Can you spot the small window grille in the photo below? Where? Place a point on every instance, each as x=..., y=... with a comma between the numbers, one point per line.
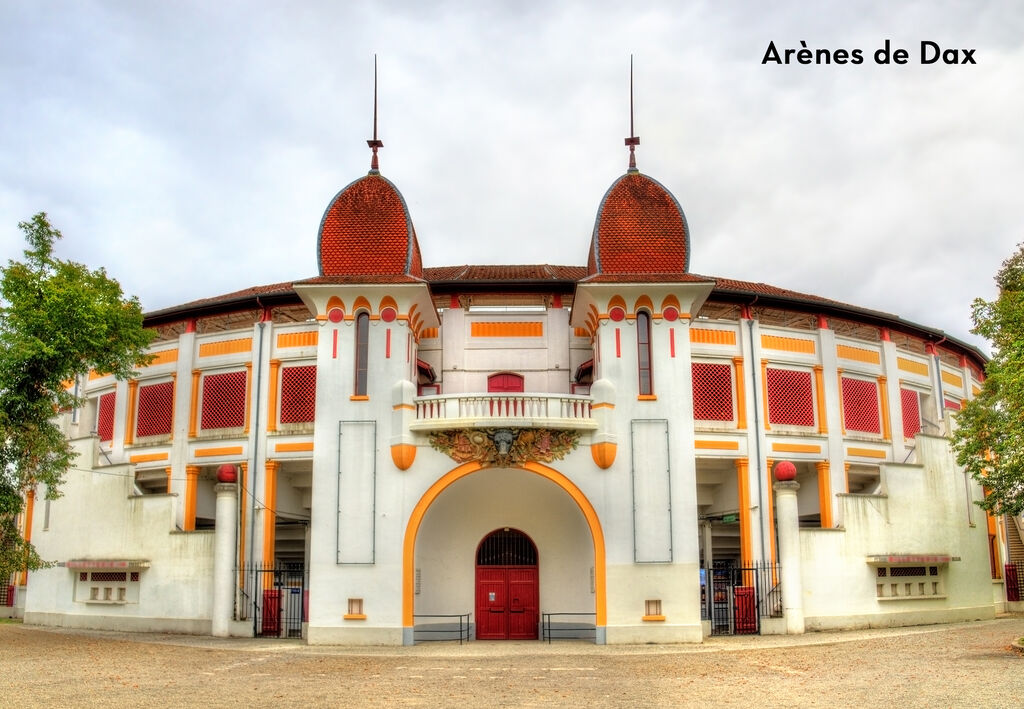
x=109, y=576
x=954, y=405
x=362, y=352
x=156, y=410
x=652, y=607
x=860, y=405
x=83, y=575
x=355, y=606
x=907, y=571
x=712, y=392
x=911, y=404
x=933, y=570
x=135, y=577
x=507, y=547
x=881, y=572
x=790, y=397
x=298, y=394
x=105, y=416
x=224, y=400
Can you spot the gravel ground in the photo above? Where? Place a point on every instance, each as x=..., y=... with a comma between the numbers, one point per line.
x=967, y=664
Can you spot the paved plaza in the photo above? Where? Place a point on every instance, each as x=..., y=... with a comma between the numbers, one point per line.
x=966, y=664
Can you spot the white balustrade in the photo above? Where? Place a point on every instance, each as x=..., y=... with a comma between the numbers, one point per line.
x=451, y=410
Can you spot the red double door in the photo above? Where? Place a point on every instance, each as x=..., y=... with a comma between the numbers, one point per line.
x=506, y=602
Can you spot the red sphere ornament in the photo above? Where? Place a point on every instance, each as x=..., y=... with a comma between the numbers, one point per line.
x=227, y=473
x=785, y=471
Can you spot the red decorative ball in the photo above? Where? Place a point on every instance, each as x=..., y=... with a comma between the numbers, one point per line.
x=785, y=471
x=227, y=473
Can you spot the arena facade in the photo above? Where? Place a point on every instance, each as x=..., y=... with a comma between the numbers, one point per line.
x=387, y=453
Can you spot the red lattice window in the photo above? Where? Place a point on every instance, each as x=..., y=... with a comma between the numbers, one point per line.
x=105, y=416
x=156, y=410
x=223, y=400
x=860, y=405
x=298, y=394
x=712, y=392
x=911, y=404
x=790, y=397
x=951, y=404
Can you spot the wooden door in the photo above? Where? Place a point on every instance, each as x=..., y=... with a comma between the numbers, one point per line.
x=506, y=603
x=505, y=382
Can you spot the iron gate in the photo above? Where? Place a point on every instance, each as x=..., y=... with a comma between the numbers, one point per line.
x=278, y=600
x=736, y=597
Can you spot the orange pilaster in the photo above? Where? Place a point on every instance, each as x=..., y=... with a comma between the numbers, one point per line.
x=248, y=393
x=272, y=389
x=269, y=514
x=129, y=416
x=741, y=394
x=824, y=493
x=819, y=392
x=193, y=408
x=743, y=500
x=191, y=487
x=883, y=397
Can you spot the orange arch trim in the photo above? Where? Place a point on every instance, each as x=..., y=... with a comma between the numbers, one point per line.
x=432, y=493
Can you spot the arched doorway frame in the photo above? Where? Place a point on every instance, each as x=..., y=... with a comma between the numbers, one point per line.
x=461, y=471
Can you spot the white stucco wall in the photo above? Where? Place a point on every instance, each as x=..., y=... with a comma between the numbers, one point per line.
x=98, y=518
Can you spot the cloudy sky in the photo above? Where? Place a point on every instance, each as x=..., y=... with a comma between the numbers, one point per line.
x=192, y=147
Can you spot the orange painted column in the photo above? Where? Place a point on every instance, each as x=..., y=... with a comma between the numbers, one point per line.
x=248, y=394
x=129, y=416
x=741, y=394
x=174, y=399
x=764, y=397
x=168, y=481
x=883, y=397
x=824, y=493
x=191, y=487
x=30, y=506
x=269, y=514
x=272, y=389
x=819, y=391
x=771, y=511
x=743, y=500
x=193, y=409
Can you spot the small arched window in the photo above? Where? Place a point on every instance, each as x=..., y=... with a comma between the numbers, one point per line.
x=643, y=346
x=362, y=351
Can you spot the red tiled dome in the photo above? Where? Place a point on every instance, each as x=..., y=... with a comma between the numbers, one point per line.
x=366, y=231
x=640, y=229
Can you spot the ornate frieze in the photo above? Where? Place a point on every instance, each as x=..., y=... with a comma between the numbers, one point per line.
x=504, y=447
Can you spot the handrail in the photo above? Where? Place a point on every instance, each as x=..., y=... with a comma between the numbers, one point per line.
x=464, y=627
x=548, y=631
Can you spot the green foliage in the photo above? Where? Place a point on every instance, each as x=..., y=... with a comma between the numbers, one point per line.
x=58, y=320
x=989, y=440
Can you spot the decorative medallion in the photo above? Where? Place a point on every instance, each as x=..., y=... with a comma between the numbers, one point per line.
x=504, y=447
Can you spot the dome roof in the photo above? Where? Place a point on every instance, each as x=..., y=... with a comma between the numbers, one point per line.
x=367, y=231
x=640, y=229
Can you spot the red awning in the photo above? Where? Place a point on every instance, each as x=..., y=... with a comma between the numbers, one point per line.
x=589, y=364
x=107, y=564
x=911, y=559
x=426, y=369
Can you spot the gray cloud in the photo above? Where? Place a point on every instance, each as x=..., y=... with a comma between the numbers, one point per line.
x=192, y=148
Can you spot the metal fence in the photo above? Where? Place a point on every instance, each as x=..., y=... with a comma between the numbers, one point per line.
x=276, y=599
x=1014, y=580
x=568, y=625
x=446, y=627
x=736, y=597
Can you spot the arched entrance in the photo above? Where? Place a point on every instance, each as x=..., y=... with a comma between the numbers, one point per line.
x=507, y=585
x=467, y=471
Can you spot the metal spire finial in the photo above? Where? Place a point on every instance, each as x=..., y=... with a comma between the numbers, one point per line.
x=374, y=143
x=633, y=140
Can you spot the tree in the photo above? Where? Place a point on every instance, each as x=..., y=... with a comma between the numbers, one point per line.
x=989, y=438
x=58, y=320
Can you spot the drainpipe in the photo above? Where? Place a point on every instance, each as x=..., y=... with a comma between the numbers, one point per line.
x=757, y=438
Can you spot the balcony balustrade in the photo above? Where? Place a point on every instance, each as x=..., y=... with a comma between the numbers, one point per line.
x=557, y=411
